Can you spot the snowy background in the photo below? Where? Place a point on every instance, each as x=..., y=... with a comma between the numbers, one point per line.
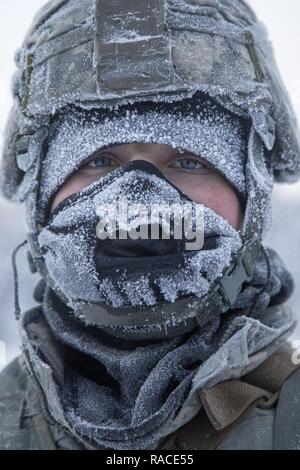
x=282, y=20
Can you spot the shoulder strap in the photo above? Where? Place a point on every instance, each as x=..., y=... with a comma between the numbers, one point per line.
x=274, y=371
x=287, y=419
x=225, y=404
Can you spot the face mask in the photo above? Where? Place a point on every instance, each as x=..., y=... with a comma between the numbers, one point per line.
x=126, y=276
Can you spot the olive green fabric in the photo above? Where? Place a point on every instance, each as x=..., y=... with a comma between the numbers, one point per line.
x=23, y=426
x=226, y=404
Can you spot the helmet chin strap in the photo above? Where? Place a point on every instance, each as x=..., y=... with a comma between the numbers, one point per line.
x=174, y=318
x=184, y=314
x=179, y=317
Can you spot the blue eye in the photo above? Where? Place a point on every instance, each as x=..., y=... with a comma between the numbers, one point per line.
x=101, y=162
x=190, y=164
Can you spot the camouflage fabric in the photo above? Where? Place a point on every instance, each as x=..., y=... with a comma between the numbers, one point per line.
x=97, y=53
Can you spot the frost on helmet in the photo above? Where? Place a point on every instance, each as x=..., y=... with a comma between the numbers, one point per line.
x=165, y=50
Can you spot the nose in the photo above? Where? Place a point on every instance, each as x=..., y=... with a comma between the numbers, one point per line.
x=143, y=165
x=150, y=152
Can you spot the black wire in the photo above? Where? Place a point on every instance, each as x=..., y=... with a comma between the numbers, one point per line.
x=16, y=282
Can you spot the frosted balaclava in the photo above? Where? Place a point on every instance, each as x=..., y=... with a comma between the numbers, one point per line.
x=95, y=73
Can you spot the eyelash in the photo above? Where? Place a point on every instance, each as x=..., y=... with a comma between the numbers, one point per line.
x=108, y=158
x=191, y=159
x=102, y=157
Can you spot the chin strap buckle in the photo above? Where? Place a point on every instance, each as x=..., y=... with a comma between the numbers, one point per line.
x=240, y=271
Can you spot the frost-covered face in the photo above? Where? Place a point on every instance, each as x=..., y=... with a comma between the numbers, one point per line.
x=193, y=175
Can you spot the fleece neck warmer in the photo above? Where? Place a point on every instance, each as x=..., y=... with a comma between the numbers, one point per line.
x=124, y=395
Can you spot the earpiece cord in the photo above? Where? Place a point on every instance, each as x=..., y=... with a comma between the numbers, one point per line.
x=16, y=280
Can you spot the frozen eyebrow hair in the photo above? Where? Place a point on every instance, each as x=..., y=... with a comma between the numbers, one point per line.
x=197, y=125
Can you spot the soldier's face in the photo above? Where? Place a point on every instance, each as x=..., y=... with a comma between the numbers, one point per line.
x=193, y=175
